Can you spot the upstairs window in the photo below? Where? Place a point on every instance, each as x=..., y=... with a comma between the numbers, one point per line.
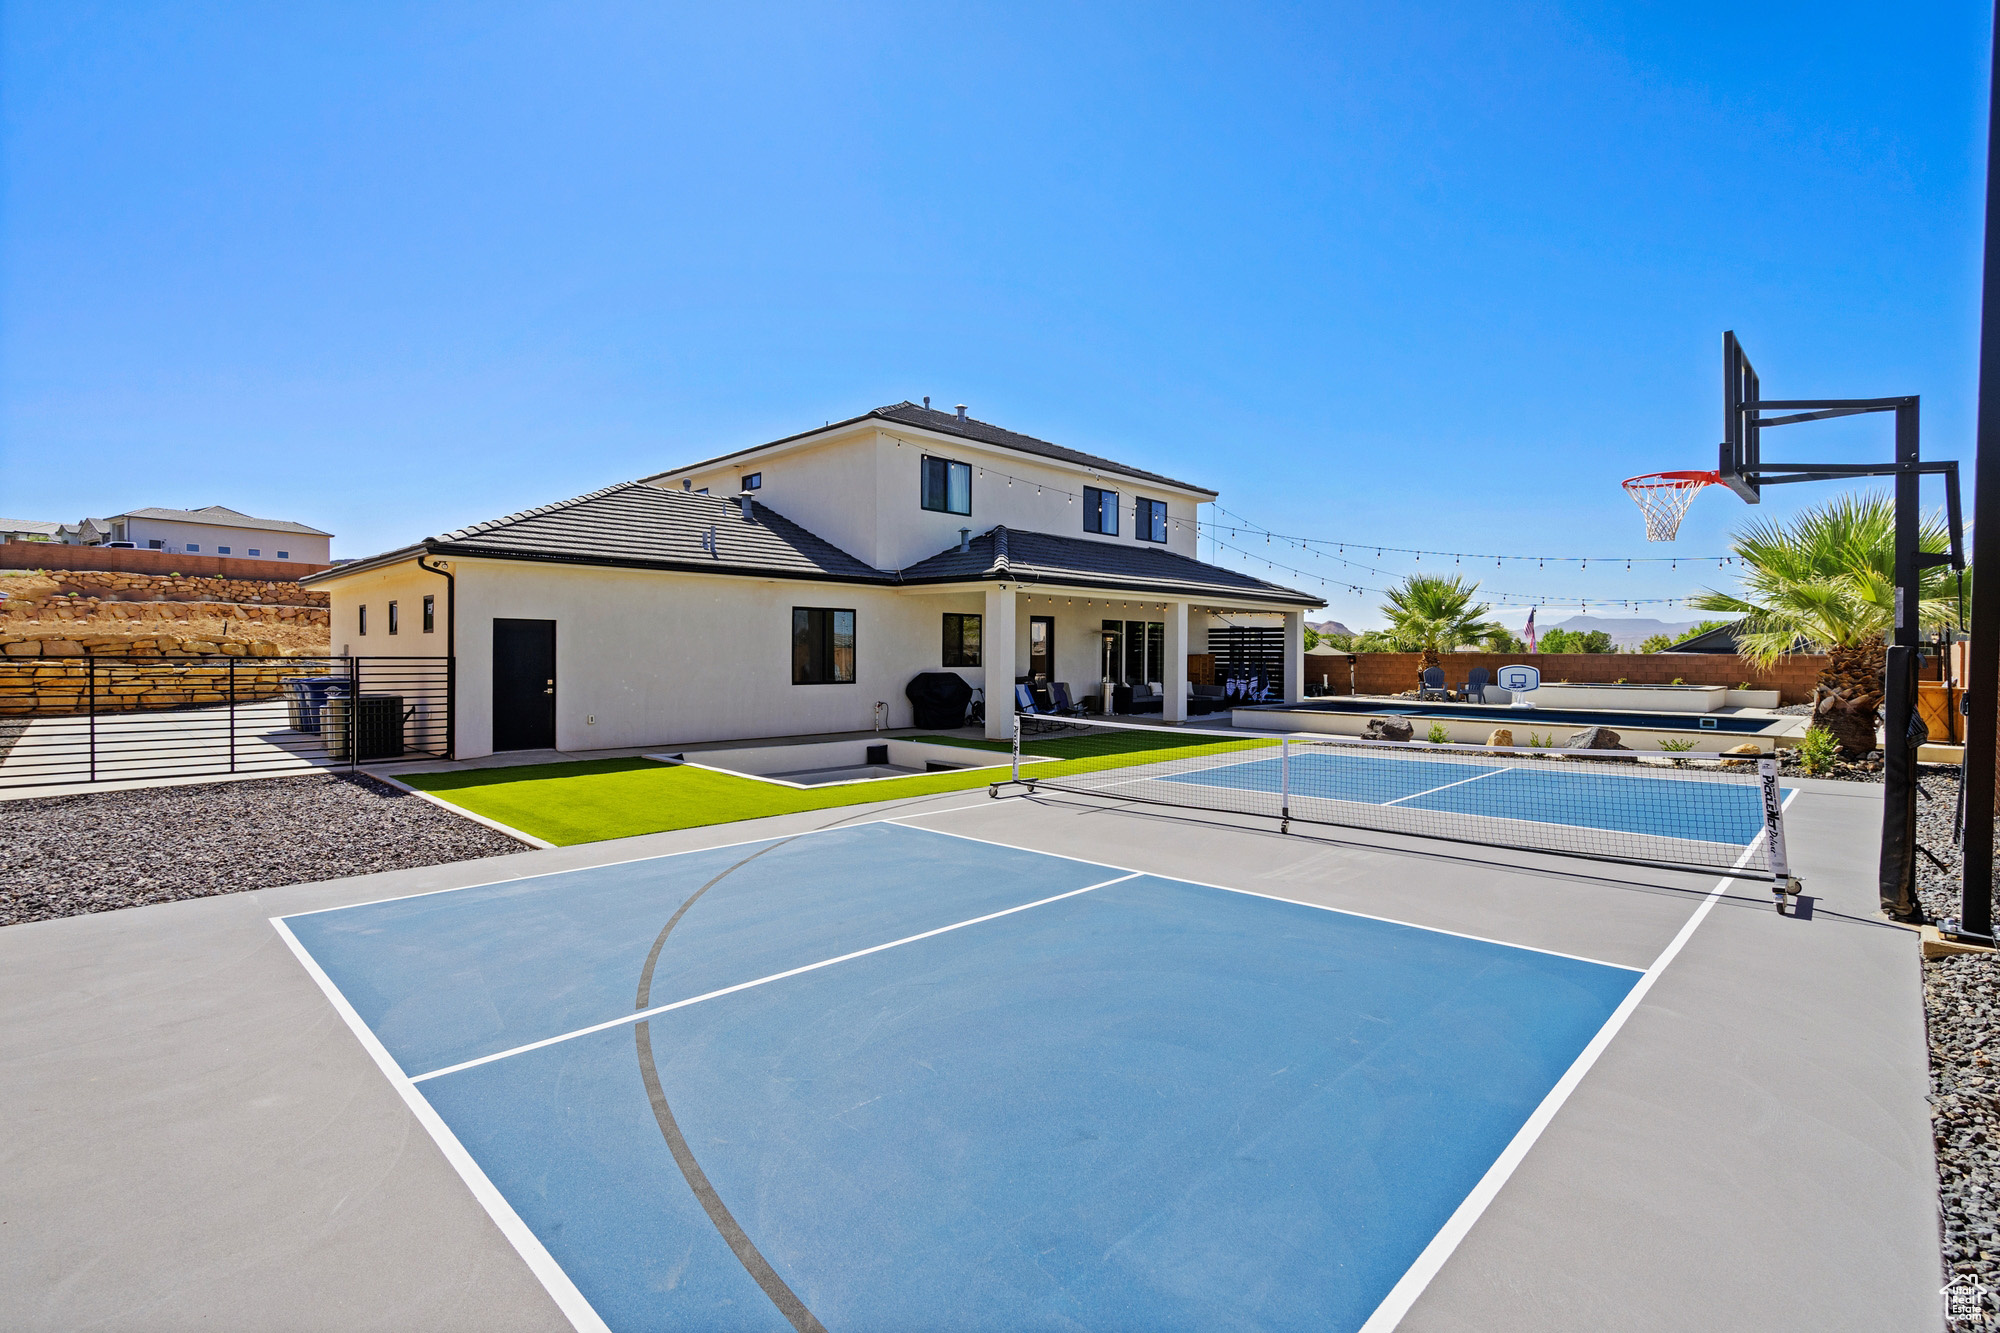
x=222, y=550
x=947, y=486
x=822, y=646
x=430, y=615
x=255, y=551
x=1149, y=520
x=961, y=640
x=1100, y=511
x=395, y=620
x=156, y=545
x=284, y=555
x=753, y=481
x=194, y=546
x=363, y=622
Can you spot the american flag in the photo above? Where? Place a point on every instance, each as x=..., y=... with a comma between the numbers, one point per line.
x=1531, y=631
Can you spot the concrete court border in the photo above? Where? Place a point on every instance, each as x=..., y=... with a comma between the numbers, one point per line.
x=197, y=1139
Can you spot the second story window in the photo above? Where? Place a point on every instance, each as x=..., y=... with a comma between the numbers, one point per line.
x=1149, y=520
x=1100, y=511
x=395, y=620
x=430, y=614
x=947, y=486
x=753, y=481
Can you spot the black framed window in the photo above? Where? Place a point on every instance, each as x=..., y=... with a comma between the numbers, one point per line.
x=364, y=618
x=1100, y=511
x=430, y=614
x=753, y=481
x=1149, y=520
x=395, y=621
x=822, y=646
x=961, y=640
x=947, y=486
x=284, y=555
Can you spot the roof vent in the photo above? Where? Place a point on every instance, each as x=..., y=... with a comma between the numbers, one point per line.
x=965, y=539
x=961, y=411
x=687, y=483
x=927, y=402
x=745, y=500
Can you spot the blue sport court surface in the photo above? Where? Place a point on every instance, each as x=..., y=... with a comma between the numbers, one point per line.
x=1692, y=808
x=886, y=1078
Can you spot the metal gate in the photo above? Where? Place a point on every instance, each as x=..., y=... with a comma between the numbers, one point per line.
x=67, y=720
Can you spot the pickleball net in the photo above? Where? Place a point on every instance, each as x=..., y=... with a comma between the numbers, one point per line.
x=1673, y=810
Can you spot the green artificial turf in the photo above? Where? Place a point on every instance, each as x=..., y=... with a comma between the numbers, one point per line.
x=591, y=800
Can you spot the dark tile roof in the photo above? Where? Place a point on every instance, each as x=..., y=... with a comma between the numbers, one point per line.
x=970, y=428
x=646, y=526
x=1041, y=557
x=949, y=423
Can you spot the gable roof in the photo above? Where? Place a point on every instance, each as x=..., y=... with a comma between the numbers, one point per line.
x=1041, y=557
x=223, y=517
x=907, y=413
x=639, y=526
x=29, y=525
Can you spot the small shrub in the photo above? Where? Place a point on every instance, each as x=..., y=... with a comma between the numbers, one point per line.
x=1745, y=685
x=1539, y=742
x=1621, y=681
x=1676, y=681
x=1817, y=749
x=1677, y=744
x=1439, y=735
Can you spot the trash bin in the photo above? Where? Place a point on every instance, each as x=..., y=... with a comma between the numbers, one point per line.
x=377, y=728
x=306, y=696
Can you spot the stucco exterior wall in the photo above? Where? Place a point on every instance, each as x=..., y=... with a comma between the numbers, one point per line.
x=663, y=658
x=862, y=491
x=404, y=584
x=240, y=541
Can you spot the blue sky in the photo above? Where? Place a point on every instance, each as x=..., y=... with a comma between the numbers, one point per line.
x=1433, y=276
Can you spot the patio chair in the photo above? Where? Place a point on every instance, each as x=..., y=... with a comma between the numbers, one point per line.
x=1064, y=705
x=1432, y=686
x=1038, y=720
x=1474, y=689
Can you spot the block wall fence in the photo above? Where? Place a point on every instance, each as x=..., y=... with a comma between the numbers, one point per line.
x=55, y=555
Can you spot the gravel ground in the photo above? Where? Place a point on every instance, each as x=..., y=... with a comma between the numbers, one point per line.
x=95, y=852
x=1962, y=1009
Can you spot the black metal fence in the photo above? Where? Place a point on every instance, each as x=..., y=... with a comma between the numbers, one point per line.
x=67, y=720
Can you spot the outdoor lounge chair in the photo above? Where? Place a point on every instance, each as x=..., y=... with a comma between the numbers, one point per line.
x=1474, y=689
x=1038, y=719
x=1433, y=686
x=1064, y=705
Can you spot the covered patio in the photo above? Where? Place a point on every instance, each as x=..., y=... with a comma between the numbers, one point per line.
x=1085, y=613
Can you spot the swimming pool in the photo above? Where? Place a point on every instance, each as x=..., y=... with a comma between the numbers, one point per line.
x=1472, y=724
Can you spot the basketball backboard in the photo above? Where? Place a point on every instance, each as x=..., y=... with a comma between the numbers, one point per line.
x=1742, y=445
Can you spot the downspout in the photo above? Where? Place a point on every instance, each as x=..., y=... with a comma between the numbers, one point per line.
x=450, y=656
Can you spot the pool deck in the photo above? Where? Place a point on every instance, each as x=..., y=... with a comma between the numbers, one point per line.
x=1645, y=729
x=195, y=1139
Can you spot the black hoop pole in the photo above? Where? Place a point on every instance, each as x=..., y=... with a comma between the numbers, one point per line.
x=1982, y=723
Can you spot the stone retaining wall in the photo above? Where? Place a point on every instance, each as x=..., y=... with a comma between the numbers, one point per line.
x=127, y=587
x=51, y=687
x=58, y=618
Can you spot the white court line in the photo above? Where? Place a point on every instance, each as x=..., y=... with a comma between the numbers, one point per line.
x=1411, y=1285
x=575, y=1307
x=656, y=856
x=635, y=1017
x=1460, y=783
x=1299, y=902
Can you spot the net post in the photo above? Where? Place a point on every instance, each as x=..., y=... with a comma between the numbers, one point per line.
x=1284, y=785
x=1016, y=748
x=1774, y=828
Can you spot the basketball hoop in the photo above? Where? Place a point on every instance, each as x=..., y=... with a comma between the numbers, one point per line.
x=1664, y=497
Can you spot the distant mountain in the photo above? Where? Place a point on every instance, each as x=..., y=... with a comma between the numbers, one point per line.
x=1628, y=632
x=1328, y=627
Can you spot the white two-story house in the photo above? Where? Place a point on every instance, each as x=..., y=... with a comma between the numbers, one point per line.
x=796, y=587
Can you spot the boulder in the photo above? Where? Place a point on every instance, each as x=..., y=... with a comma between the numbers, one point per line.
x=1501, y=736
x=1751, y=752
x=1595, y=738
x=1388, y=729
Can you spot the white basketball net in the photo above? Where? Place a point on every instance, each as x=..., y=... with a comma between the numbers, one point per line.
x=1664, y=497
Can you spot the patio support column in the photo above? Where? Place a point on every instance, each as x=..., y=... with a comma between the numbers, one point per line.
x=997, y=634
x=1295, y=656
x=1173, y=671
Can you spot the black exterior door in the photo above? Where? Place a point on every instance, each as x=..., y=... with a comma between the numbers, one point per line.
x=524, y=684
x=1041, y=648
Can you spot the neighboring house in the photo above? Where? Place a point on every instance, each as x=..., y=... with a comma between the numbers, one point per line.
x=214, y=530
x=29, y=530
x=789, y=588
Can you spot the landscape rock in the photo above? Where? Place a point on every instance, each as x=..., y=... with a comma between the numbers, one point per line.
x=1595, y=738
x=1501, y=736
x=1388, y=729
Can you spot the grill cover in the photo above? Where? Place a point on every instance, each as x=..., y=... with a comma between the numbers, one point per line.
x=938, y=699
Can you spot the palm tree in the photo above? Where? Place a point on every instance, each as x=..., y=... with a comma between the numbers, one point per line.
x=1828, y=579
x=1431, y=614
